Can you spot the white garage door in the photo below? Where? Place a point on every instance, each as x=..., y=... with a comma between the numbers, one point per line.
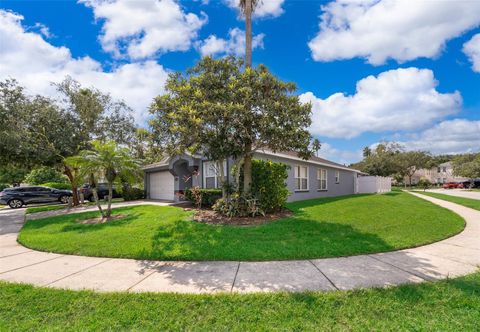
x=162, y=186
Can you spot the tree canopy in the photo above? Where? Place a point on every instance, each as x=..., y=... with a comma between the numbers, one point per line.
x=222, y=111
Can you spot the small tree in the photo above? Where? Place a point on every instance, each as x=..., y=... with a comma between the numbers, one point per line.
x=424, y=183
x=110, y=162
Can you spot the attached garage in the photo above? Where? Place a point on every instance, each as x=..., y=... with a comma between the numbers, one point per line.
x=161, y=185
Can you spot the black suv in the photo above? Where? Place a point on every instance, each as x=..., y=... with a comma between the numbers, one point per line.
x=20, y=196
x=102, y=190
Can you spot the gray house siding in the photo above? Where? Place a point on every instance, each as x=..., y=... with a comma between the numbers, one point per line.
x=346, y=185
x=182, y=169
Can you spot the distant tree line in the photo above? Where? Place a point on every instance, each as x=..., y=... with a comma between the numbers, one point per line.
x=392, y=159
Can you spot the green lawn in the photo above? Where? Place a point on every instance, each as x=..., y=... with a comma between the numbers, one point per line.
x=53, y=207
x=450, y=305
x=327, y=227
x=468, y=202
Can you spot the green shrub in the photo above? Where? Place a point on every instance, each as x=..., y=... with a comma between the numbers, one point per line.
x=43, y=175
x=132, y=193
x=268, y=184
x=238, y=206
x=208, y=196
x=424, y=184
x=3, y=186
x=57, y=185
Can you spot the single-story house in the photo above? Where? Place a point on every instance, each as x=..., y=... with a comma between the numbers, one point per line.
x=316, y=177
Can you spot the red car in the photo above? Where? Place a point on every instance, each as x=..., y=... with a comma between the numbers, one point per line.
x=452, y=185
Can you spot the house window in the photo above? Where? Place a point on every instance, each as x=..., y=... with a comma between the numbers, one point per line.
x=444, y=170
x=212, y=175
x=337, y=176
x=322, y=179
x=301, y=178
x=438, y=169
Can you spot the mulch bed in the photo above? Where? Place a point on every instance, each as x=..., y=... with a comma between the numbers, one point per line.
x=213, y=218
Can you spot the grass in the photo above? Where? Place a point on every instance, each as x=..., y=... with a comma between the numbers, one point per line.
x=468, y=202
x=449, y=305
x=327, y=227
x=54, y=207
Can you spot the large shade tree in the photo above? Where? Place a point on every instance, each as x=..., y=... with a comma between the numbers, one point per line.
x=467, y=165
x=222, y=111
x=40, y=131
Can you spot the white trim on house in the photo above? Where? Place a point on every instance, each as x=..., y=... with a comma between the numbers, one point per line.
x=322, y=179
x=299, y=178
x=337, y=177
x=278, y=154
x=210, y=170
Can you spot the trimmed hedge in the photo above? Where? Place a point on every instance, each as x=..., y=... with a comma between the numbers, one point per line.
x=132, y=193
x=3, y=186
x=57, y=185
x=268, y=184
x=209, y=196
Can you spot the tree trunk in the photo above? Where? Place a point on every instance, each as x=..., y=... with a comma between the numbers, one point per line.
x=95, y=196
x=247, y=170
x=68, y=172
x=248, y=33
x=110, y=194
x=222, y=178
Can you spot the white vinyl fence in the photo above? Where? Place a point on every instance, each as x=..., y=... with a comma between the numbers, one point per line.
x=373, y=184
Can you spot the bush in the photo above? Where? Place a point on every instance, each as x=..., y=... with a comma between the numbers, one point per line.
x=208, y=197
x=268, y=184
x=238, y=206
x=44, y=175
x=3, y=186
x=57, y=185
x=132, y=193
x=424, y=184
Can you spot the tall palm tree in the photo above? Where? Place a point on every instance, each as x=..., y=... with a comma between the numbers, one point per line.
x=112, y=163
x=247, y=7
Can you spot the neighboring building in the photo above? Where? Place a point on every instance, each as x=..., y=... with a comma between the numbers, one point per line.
x=440, y=174
x=311, y=178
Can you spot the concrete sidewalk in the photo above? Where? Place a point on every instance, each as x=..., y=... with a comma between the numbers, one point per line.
x=457, y=192
x=456, y=256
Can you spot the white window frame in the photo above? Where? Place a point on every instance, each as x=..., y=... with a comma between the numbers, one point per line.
x=322, y=175
x=337, y=177
x=206, y=166
x=297, y=174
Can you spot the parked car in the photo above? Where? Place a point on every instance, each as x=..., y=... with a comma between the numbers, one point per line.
x=102, y=190
x=20, y=196
x=471, y=184
x=452, y=185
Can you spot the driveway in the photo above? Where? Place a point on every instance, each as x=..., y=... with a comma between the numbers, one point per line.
x=457, y=192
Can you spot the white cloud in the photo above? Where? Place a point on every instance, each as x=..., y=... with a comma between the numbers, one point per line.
x=144, y=28
x=265, y=8
x=36, y=63
x=340, y=156
x=399, y=29
x=448, y=137
x=234, y=45
x=472, y=50
x=395, y=100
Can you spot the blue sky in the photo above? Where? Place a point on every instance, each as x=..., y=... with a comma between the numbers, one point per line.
x=373, y=70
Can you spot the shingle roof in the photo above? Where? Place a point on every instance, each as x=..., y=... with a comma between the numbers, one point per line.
x=314, y=159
